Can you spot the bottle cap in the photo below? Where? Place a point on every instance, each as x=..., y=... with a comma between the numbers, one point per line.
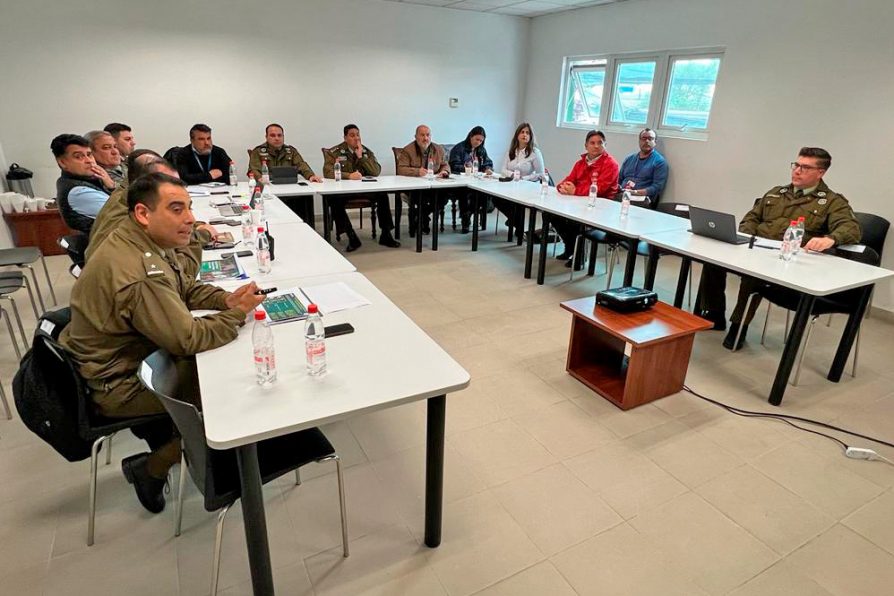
x=260, y=228
x=801, y=218
x=794, y=222
x=246, y=208
x=260, y=315
x=312, y=309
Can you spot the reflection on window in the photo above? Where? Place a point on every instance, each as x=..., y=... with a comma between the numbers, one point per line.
x=633, y=92
x=583, y=103
x=690, y=93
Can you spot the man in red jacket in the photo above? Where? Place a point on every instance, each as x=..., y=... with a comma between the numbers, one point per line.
x=596, y=164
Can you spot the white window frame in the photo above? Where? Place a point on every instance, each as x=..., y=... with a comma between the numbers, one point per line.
x=657, y=102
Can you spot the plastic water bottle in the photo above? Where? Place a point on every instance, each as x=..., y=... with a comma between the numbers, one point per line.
x=248, y=228
x=799, y=234
x=594, y=191
x=467, y=167
x=516, y=175
x=430, y=170
x=544, y=183
x=314, y=342
x=336, y=169
x=475, y=165
x=264, y=349
x=233, y=180
x=262, y=201
x=787, y=249
x=265, y=173
x=252, y=184
x=625, y=203
x=263, y=251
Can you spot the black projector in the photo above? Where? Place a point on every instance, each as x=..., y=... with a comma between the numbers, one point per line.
x=627, y=299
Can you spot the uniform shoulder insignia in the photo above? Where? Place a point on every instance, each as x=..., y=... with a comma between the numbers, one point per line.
x=334, y=149
x=262, y=149
x=821, y=194
x=153, y=264
x=783, y=190
x=821, y=202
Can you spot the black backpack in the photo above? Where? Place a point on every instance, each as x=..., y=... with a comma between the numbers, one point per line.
x=46, y=389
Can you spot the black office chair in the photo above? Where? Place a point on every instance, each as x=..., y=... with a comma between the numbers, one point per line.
x=874, y=231
x=91, y=426
x=214, y=472
x=171, y=156
x=75, y=246
x=845, y=302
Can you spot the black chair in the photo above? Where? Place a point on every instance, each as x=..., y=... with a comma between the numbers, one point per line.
x=874, y=231
x=171, y=156
x=215, y=472
x=91, y=426
x=75, y=246
x=845, y=302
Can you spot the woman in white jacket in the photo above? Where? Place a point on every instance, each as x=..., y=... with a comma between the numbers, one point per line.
x=523, y=155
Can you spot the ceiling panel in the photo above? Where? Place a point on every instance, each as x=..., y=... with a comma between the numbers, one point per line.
x=525, y=8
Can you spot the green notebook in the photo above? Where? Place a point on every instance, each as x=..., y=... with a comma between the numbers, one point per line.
x=220, y=269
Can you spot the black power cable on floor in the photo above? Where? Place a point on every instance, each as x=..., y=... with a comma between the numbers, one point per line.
x=851, y=452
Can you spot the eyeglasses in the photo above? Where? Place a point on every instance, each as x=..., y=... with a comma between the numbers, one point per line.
x=804, y=167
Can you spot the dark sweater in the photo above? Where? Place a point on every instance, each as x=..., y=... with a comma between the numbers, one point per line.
x=194, y=168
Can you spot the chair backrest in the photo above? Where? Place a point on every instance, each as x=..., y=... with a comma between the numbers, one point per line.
x=875, y=230
x=867, y=256
x=75, y=245
x=678, y=209
x=175, y=383
x=396, y=151
x=171, y=156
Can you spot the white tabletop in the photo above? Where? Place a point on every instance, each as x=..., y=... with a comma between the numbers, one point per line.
x=387, y=361
x=276, y=212
x=295, y=189
x=812, y=273
x=381, y=184
x=299, y=252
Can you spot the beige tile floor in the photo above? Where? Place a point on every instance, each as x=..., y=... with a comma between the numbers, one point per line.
x=549, y=489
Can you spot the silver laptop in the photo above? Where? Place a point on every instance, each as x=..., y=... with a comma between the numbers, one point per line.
x=716, y=225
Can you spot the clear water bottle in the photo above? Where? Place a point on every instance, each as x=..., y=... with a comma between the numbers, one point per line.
x=475, y=165
x=265, y=173
x=787, y=249
x=516, y=175
x=336, y=169
x=625, y=203
x=233, y=180
x=430, y=170
x=264, y=349
x=314, y=342
x=799, y=234
x=248, y=228
x=594, y=191
x=467, y=167
x=252, y=184
x=262, y=201
x=263, y=251
x=544, y=183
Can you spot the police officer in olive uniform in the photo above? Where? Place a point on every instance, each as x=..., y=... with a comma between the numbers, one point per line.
x=134, y=297
x=356, y=161
x=276, y=153
x=829, y=222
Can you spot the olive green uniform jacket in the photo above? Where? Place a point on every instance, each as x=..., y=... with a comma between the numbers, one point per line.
x=826, y=213
x=284, y=156
x=366, y=164
x=131, y=299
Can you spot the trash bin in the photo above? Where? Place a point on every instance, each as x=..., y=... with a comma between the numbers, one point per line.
x=19, y=180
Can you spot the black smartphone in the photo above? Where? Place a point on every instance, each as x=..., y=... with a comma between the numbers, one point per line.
x=506, y=179
x=336, y=330
x=302, y=184
x=368, y=179
x=244, y=253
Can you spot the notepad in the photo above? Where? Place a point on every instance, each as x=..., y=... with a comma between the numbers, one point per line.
x=221, y=269
x=334, y=297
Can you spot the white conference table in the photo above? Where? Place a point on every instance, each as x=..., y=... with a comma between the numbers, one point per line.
x=361, y=377
x=810, y=274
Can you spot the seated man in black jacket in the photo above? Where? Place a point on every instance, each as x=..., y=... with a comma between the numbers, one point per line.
x=201, y=161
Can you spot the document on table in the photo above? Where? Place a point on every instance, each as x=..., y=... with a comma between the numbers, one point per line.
x=334, y=297
x=767, y=243
x=198, y=191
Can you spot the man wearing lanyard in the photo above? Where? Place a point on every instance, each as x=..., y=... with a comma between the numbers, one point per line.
x=201, y=161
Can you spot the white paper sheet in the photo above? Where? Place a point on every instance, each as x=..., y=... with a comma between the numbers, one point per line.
x=334, y=297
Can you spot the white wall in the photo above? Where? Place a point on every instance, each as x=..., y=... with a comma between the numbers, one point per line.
x=799, y=72
x=311, y=65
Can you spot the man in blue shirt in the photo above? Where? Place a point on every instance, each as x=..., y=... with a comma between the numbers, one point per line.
x=83, y=187
x=644, y=173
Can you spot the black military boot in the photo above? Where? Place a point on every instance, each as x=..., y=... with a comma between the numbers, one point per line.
x=386, y=239
x=353, y=241
x=729, y=342
x=150, y=491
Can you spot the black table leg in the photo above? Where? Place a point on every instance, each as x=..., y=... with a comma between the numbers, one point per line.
x=846, y=343
x=651, y=268
x=685, y=265
x=790, y=352
x=419, y=216
x=434, y=470
x=541, y=258
x=435, y=213
x=327, y=219
x=520, y=221
x=529, y=247
x=255, y=520
x=631, y=262
x=475, y=215
x=398, y=211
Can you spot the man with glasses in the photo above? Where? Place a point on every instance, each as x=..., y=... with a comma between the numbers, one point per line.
x=644, y=173
x=828, y=222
